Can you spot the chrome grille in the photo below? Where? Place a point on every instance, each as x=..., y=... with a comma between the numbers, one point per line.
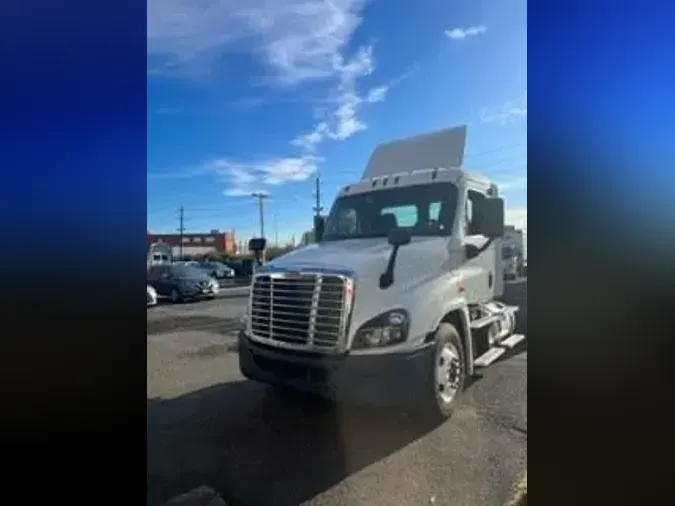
x=304, y=310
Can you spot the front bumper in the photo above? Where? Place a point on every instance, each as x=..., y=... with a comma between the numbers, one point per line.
x=377, y=380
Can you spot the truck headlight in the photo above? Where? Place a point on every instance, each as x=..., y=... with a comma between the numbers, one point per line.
x=384, y=330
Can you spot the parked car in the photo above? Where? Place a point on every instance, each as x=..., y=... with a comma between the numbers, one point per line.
x=180, y=282
x=152, y=296
x=243, y=267
x=217, y=270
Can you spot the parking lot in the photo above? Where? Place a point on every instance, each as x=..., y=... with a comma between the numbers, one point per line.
x=207, y=425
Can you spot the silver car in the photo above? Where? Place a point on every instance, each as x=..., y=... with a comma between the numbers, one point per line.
x=152, y=296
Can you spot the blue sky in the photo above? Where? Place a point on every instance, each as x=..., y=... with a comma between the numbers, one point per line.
x=261, y=95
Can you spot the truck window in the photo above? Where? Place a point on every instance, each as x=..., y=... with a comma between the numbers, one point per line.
x=428, y=210
x=406, y=216
x=473, y=203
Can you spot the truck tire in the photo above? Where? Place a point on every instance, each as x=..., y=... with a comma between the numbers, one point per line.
x=447, y=374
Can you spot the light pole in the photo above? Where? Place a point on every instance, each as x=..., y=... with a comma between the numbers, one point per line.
x=261, y=209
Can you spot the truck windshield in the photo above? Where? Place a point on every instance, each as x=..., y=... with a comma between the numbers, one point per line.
x=428, y=210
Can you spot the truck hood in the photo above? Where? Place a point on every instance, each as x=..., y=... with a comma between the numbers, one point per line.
x=367, y=259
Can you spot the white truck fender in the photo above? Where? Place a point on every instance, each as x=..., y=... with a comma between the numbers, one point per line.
x=458, y=305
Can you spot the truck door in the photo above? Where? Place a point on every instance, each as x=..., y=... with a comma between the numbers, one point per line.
x=485, y=280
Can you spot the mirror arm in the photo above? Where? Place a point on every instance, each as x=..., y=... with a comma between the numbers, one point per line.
x=475, y=251
x=387, y=277
x=486, y=245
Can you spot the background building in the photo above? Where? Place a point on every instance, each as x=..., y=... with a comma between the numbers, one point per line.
x=197, y=244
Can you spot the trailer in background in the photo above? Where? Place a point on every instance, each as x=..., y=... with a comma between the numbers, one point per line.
x=513, y=256
x=159, y=253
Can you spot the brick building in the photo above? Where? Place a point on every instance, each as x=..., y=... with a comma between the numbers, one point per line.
x=197, y=244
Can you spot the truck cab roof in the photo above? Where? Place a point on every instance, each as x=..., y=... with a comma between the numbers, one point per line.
x=419, y=177
x=432, y=157
x=443, y=148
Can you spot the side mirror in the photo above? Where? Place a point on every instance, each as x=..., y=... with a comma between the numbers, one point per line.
x=492, y=218
x=319, y=227
x=257, y=246
x=400, y=236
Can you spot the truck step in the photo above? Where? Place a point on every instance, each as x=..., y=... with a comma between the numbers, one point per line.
x=495, y=316
x=512, y=341
x=485, y=321
x=489, y=357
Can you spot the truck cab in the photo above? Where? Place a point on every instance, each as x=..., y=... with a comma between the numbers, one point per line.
x=395, y=302
x=159, y=253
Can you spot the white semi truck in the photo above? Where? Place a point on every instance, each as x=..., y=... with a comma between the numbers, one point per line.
x=159, y=253
x=396, y=302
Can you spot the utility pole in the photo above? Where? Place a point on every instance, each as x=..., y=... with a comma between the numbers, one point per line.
x=181, y=229
x=261, y=209
x=317, y=194
x=276, y=229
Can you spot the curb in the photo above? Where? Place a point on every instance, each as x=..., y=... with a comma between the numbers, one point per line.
x=234, y=291
x=200, y=496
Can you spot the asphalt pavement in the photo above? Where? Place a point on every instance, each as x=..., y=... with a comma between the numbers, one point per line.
x=207, y=425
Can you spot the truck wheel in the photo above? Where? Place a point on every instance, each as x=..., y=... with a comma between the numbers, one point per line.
x=448, y=374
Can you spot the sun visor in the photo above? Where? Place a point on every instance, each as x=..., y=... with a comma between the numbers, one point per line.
x=443, y=148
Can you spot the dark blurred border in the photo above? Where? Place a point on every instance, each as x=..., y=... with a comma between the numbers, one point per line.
x=73, y=190
x=600, y=253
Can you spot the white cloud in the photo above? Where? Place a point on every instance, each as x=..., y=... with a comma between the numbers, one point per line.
x=463, y=33
x=507, y=112
x=342, y=121
x=297, y=40
x=282, y=170
x=310, y=140
x=347, y=122
x=377, y=94
x=237, y=192
x=516, y=183
x=242, y=179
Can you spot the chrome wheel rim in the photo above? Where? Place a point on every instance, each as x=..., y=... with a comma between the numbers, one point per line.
x=448, y=372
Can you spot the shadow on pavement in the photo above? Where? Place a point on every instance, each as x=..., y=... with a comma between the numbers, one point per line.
x=255, y=448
